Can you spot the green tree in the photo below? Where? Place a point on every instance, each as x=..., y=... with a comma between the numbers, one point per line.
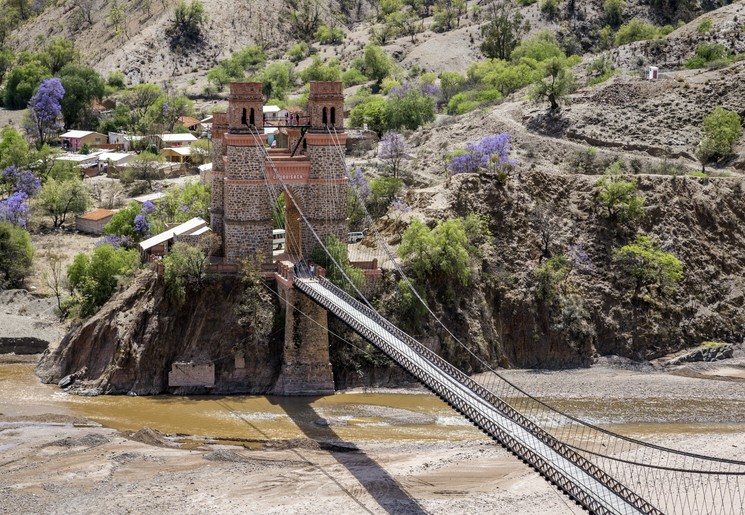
x=549, y=8
x=60, y=198
x=619, y=198
x=540, y=47
x=320, y=70
x=14, y=149
x=722, y=129
x=613, y=11
x=82, y=85
x=643, y=264
x=122, y=224
x=201, y=152
x=249, y=58
x=145, y=167
x=503, y=32
x=410, y=110
x=7, y=59
x=95, y=278
x=21, y=83
x=16, y=254
x=451, y=83
x=59, y=53
x=551, y=276
x=340, y=252
x=371, y=113
x=383, y=190
x=219, y=76
x=276, y=79
x=329, y=35
x=188, y=20
x=378, y=64
x=447, y=14
x=139, y=99
x=186, y=266
x=557, y=84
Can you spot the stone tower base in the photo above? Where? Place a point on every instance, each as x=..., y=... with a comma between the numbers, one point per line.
x=306, y=367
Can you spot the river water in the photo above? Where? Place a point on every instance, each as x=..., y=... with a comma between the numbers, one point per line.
x=350, y=417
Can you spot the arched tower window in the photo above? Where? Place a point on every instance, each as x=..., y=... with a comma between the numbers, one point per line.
x=324, y=117
x=252, y=120
x=333, y=115
x=243, y=117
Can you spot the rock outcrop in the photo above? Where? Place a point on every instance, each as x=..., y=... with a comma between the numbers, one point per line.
x=132, y=343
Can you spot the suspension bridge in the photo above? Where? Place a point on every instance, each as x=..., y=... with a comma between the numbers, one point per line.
x=604, y=472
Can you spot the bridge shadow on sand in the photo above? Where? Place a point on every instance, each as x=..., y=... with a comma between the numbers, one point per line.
x=377, y=482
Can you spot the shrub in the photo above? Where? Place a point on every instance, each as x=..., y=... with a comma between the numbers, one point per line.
x=16, y=255
x=352, y=77
x=638, y=30
x=298, y=52
x=383, y=190
x=539, y=47
x=185, y=267
x=600, y=70
x=707, y=55
x=94, y=279
x=645, y=265
x=619, y=198
x=329, y=35
x=409, y=107
x=186, y=26
x=371, y=113
x=613, y=10
x=549, y=7
x=490, y=155
x=705, y=26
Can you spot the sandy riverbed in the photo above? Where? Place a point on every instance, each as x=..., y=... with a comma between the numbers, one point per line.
x=55, y=460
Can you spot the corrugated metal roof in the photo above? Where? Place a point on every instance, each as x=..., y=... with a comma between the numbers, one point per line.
x=77, y=134
x=170, y=138
x=187, y=227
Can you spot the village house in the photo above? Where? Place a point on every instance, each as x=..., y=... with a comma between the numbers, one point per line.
x=188, y=232
x=126, y=142
x=93, y=222
x=75, y=140
x=177, y=154
x=86, y=163
x=190, y=123
x=176, y=140
x=113, y=162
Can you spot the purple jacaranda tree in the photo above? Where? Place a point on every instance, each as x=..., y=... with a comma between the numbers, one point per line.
x=15, y=209
x=118, y=242
x=16, y=179
x=44, y=120
x=398, y=209
x=489, y=155
x=359, y=194
x=393, y=152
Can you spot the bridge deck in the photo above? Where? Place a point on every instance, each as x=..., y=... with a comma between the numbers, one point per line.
x=586, y=489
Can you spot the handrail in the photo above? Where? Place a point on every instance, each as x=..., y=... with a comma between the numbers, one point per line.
x=503, y=407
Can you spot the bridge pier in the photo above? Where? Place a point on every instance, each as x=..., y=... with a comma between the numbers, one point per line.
x=306, y=366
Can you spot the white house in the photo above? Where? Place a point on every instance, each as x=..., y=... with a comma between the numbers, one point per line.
x=177, y=140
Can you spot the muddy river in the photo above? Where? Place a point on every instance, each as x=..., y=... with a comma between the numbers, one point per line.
x=353, y=416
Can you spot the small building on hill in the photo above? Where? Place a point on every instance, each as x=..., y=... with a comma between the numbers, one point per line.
x=113, y=161
x=126, y=142
x=94, y=221
x=189, y=232
x=177, y=154
x=176, y=140
x=75, y=140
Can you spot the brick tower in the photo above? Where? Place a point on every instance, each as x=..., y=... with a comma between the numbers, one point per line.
x=219, y=127
x=247, y=211
x=327, y=183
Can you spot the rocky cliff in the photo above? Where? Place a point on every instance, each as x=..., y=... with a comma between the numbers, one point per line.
x=132, y=343
x=503, y=316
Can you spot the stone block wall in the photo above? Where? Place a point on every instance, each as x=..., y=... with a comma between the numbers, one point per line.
x=191, y=374
x=245, y=239
x=244, y=162
x=306, y=367
x=326, y=161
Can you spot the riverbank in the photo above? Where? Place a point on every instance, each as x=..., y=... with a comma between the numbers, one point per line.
x=349, y=453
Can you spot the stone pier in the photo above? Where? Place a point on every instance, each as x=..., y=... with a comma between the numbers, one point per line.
x=306, y=367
